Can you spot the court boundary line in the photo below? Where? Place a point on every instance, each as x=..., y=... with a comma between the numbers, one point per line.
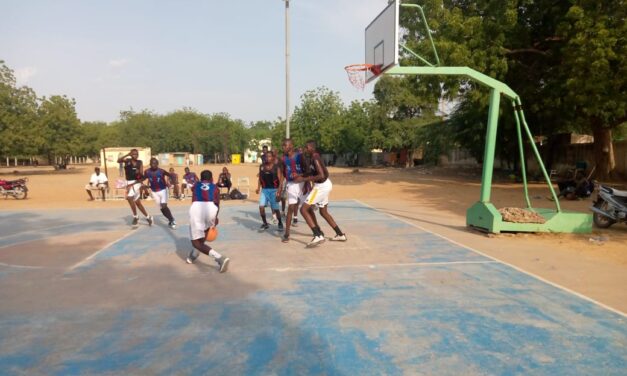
x=21, y=266
x=106, y=246
x=542, y=279
x=374, y=266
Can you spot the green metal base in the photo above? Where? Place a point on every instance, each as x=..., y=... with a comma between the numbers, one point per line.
x=485, y=217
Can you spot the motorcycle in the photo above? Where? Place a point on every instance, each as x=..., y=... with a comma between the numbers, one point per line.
x=610, y=207
x=16, y=188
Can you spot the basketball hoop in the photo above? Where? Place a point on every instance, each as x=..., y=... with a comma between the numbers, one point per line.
x=357, y=73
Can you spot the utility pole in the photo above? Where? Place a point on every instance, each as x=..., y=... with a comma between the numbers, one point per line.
x=287, y=68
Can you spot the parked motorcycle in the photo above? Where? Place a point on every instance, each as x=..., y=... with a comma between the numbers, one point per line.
x=610, y=207
x=15, y=188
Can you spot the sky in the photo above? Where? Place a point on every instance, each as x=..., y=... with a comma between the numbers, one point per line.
x=213, y=56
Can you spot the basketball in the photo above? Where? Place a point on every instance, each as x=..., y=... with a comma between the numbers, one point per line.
x=212, y=234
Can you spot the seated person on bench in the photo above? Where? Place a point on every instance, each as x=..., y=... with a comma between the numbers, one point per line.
x=578, y=187
x=224, y=180
x=97, y=181
x=189, y=179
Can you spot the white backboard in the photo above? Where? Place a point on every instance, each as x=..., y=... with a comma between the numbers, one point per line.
x=382, y=40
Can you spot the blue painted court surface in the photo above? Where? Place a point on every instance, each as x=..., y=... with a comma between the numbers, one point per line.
x=392, y=300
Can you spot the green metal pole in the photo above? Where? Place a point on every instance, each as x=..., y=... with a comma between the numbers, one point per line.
x=537, y=154
x=490, y=144
x=523, y=167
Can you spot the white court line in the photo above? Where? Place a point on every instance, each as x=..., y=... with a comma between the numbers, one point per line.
x=20, y=266
x=374, y=266
x=83, y=262
x=620, y=313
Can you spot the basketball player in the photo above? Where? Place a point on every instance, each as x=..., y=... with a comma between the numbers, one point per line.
x=134, y=171
x=319, y=195
x=269, y=182
x=203, y=214
x=291, y=165
x=159, y=189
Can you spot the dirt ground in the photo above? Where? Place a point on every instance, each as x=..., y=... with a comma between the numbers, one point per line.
x=594, y=265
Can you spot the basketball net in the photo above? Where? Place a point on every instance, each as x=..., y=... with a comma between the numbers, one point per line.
x=357, y=73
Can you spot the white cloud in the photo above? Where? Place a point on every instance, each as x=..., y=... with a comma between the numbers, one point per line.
x=117, y=63
x=23, y=75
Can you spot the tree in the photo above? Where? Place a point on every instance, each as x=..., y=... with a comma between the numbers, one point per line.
x=59, y=126
x=319, y=116
x=593, y=74
x=18, y=117
x=565, y=58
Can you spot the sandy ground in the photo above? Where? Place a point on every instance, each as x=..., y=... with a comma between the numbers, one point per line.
x=432, y=199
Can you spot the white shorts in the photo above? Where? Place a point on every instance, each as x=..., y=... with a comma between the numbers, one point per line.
x=133, y=189
x=319, y=195
x=294, y=192
x=160, y=197
x=97, y=186
x=202, y=215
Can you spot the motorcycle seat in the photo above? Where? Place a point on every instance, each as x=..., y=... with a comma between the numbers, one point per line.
x=618, y=193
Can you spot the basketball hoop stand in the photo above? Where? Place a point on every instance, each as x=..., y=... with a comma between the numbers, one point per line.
x=483, y=215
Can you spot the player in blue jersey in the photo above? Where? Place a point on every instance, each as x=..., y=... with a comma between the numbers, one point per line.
x=159, y=180
x=291, y=165
x=269, y=184
x=203, y=214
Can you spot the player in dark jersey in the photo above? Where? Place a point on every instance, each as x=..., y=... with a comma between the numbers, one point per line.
x=269, y=183
x=174, y=181
x=291, y=164
x=203, y=214
x=134, y=171
x=319, y=195
x=159, y=189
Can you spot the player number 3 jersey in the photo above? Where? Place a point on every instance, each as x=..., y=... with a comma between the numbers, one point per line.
x=205, y=191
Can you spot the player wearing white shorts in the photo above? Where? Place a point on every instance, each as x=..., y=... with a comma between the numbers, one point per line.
x=203, y=214
x=291, y=165
x=319, y=195
x=159, y=189
x=134, y=171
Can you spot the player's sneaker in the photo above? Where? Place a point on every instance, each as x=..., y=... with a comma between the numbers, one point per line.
x=223, y=263
x=192, y=257
x=264, y=226
x=135, y=221
x=280, y=227
x=172, y=225
x=295, y=222
x=285, y=238
x=150, y=220
x=339, y=238
x=315, y=241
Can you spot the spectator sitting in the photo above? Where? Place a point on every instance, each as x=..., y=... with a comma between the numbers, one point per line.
x=189, y=179
x=576, y=188
x=224, y=180
x=97, y=181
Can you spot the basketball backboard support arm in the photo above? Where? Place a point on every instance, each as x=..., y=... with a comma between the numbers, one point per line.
x=484, y=214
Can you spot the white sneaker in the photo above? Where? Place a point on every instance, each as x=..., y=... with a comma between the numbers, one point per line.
x=150, y=220
x=315, y=241
x=192, y=257
x=223, y=262
x=339, y=238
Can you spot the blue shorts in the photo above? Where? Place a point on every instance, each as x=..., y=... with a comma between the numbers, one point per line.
x=268, y=196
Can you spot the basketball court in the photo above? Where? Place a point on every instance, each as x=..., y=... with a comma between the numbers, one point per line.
x=394, y=299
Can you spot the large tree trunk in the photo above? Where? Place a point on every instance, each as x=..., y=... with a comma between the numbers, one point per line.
x=603, y=151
